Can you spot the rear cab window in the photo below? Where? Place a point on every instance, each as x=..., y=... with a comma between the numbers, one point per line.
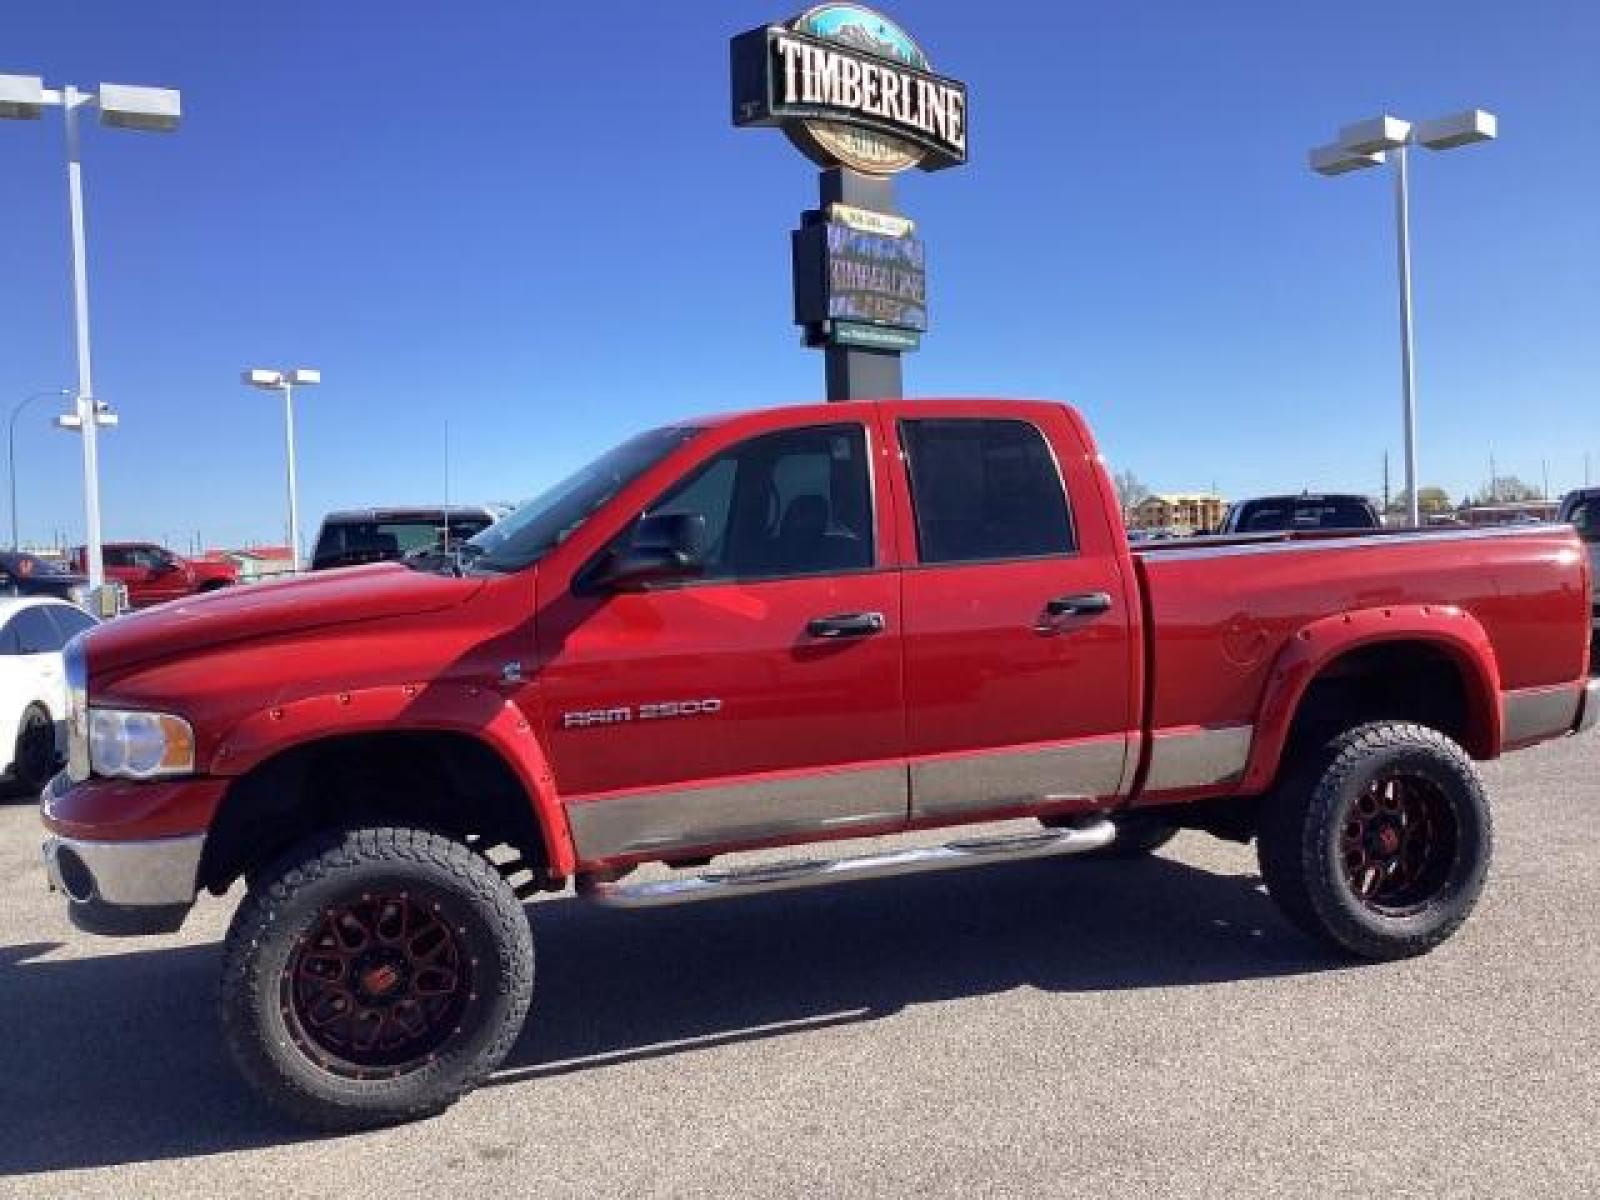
x=350, y=543
x=984, y=489
x=1305, y=512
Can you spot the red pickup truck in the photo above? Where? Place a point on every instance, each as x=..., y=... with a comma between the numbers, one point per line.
x=153, y=574
x=788, y=626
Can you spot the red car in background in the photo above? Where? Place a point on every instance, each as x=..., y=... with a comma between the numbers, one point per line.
x=153, y=574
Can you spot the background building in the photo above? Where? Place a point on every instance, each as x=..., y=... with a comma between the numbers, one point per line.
x=1182, y=513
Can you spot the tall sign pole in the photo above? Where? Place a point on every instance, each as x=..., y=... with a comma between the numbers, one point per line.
x=857, y=96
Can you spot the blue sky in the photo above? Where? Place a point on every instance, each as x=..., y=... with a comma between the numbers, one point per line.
x=544, y=230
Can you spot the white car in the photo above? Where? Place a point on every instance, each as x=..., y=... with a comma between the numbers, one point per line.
x=33, y=686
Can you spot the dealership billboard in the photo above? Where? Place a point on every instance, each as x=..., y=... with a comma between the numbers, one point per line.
x=856, y=94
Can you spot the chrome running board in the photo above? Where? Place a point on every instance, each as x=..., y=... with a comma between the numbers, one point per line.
x=809, y=872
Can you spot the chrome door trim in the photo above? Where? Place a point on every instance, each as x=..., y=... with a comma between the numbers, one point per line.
x=1188, y=758
x=962, y=784
x=749, y=811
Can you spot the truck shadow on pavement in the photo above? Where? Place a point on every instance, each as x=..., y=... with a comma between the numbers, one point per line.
x=116, y=1058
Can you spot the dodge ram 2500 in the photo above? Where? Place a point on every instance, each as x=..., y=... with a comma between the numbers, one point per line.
x=788, y=626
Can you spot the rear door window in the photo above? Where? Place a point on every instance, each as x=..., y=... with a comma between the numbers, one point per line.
x=985, y=489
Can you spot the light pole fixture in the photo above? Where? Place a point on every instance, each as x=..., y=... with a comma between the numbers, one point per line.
x=11, y=450
x=286, y=382
x=1371, y=144
x=122, y=106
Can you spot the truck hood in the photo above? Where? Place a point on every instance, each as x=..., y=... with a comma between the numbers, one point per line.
x=272, y=609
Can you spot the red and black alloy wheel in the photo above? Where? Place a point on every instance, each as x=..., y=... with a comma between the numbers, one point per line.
x=1398, y=842
x=378, y=984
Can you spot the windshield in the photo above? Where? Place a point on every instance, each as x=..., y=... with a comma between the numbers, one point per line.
x=539, y=525
x=1305, y=512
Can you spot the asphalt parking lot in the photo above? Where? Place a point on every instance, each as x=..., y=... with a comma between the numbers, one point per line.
x=1032, y=1029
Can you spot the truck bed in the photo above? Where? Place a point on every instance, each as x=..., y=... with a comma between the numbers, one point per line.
x=1222, y=611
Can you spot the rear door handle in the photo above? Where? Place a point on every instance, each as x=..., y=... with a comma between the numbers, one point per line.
x=843, y=625
x=1080, y=604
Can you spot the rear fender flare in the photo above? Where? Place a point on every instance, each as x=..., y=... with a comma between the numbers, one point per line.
x=1314, y=646
x=478, y=712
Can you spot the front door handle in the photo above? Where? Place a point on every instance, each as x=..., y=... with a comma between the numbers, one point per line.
x=843, y=625
x=1081, y=604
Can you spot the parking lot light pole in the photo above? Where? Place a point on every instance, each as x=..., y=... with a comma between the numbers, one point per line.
x=24, y=98
x=11, y=450
x=286, y=382
x=1370, y=144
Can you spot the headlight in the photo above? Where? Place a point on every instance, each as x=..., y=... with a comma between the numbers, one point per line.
x=139, y=745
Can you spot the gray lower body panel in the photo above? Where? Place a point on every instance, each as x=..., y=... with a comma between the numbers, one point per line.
x=1198, y=758
x=745, y=813
x=965, y=784
x=1535, y=714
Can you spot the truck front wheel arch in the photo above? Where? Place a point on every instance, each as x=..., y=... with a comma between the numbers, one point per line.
x=451, y=783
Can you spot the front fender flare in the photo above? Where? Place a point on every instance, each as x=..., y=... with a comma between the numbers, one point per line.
x=478, y=712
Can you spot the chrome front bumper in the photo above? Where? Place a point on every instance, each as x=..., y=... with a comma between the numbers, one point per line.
x=125, y=887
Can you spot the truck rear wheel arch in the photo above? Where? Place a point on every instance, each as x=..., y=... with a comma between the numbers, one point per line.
x=451, y=783
x=1410, y=681
x=1428, y=666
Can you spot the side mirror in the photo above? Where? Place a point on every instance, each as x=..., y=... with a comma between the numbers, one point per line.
x=663, y=546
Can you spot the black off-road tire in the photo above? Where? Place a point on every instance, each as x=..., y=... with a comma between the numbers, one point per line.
x=34, y=758
x=1305, y=844
x=287, y=913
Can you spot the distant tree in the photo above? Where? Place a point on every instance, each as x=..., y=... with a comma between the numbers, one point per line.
x=1506, y=489
x=1130, y=490
x=1431, y=499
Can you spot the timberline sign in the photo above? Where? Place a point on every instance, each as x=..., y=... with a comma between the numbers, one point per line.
x=851, y=89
